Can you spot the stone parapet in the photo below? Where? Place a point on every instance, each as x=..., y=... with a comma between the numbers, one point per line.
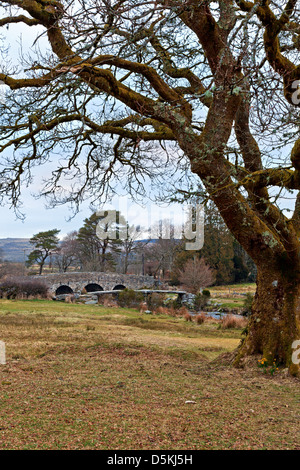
x=77, y=281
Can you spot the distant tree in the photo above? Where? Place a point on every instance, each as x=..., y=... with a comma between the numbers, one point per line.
x=217, y=249
x=180, y=260
x=92, y=250
x=97, y=252
x=160, y=255
x=196, y=274
x=218, y=245
x=221, y=251
x=8, y=269
x=67, y=253
x=129, y=247
x=244, y=267
x=44, y=244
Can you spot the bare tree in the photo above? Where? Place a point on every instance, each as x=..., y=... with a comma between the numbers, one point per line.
x=196, y=274
x=130, y=246
x=167, y=242
x=129, y=90
x=67, y=254
x=10, y=269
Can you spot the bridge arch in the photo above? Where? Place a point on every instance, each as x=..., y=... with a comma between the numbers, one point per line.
x=64, y=290
x=119, y=287
x=93, y=287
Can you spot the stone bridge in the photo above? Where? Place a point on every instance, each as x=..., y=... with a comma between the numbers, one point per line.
x=68, y=283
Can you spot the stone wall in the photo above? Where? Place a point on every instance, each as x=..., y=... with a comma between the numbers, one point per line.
x=107, y=281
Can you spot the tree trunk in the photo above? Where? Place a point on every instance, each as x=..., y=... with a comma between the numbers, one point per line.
x=41, y=267
x=275, y=321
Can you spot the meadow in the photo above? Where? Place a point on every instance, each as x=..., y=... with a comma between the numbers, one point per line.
x=93, y=377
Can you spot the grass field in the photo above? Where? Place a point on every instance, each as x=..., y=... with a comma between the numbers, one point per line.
x=231, y=296
x=231, y=288
x=89, y=377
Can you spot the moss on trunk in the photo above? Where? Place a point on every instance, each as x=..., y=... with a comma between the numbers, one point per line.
x=275, y=319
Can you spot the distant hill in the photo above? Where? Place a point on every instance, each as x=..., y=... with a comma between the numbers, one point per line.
x=12, y=249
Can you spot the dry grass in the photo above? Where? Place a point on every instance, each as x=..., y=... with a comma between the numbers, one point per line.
x=173, y=312
x=232, y=288
x=188, y=317
x=183, y=311
x=87, y=377
x=201, y=318
x=231, y=321
x=166, y=311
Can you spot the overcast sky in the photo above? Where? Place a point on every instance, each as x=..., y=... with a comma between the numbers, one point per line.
x=38, y=219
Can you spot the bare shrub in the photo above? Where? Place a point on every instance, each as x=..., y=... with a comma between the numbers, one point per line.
x=161, y=310
x=9, y=269
x=182, y=311
x=200, y=318
x=155, y=300
x=129, y=298
x=110, y=302
x=166, y=311
x=102, y=298
x=196, y=274
x=231, y=321
x=19, y=288
x=188, y=317
x=173, y=312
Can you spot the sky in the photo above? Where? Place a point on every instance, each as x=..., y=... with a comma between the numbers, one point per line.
x=38, y=218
